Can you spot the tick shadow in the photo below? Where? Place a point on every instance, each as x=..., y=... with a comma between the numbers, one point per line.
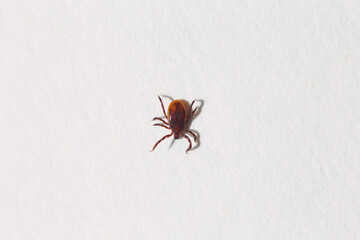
x=188, y=124
x=166, y=96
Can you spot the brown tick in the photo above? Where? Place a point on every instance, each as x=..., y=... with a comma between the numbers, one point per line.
x=177, y=118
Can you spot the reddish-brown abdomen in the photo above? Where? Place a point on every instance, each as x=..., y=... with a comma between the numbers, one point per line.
x=177, y=116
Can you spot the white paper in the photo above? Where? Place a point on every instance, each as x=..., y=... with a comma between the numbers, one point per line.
x=279, y=126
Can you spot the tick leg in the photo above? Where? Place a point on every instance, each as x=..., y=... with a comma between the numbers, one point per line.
x=157, y=118
x=189, y=143
x=162, y=125
x=192, y=104
x=161, y=140
x=192, y=134
x=192, y=113
x=162, y=105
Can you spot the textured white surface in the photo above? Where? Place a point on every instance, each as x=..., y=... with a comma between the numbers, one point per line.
x=280, y=130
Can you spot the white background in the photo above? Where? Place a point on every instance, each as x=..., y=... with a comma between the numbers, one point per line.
x=280, y=130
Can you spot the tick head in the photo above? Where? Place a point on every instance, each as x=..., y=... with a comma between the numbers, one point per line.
x=176, y=135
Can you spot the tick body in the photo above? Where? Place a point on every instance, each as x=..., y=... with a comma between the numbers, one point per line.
x=177, y=118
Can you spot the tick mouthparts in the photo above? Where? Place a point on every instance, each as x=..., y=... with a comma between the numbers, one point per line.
x=176, y=135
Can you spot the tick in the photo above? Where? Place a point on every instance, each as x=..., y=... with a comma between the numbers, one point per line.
x=177, y=118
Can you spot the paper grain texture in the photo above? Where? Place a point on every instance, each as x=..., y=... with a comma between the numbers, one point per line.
x=279, y=128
